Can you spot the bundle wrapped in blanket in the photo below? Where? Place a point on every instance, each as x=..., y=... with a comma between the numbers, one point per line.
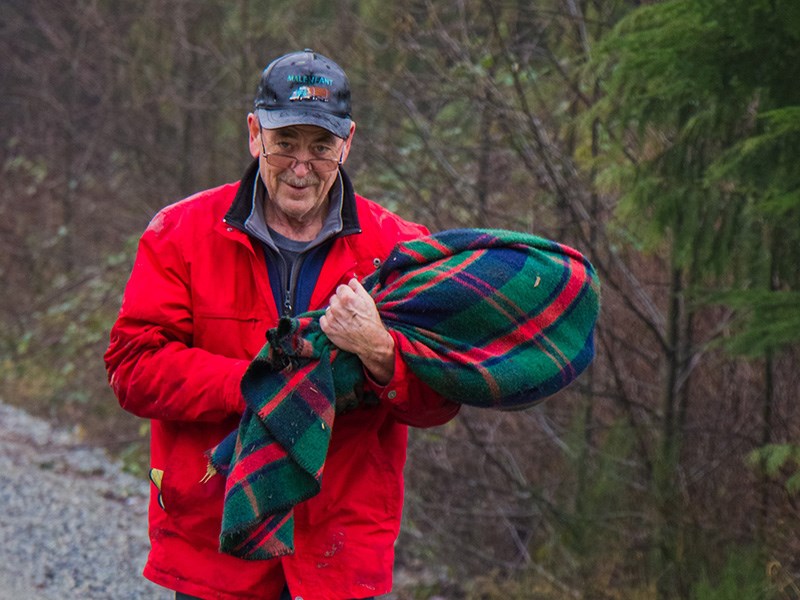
x=490, y=318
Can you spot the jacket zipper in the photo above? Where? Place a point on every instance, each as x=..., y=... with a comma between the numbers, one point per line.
x=288, y=293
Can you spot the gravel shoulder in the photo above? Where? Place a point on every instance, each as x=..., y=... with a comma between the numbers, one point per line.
x=72, y=524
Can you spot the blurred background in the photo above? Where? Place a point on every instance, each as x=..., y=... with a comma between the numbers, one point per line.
x=659, y=138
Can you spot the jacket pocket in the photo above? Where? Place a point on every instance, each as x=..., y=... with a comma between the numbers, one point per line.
x=194, y=508
x=230, y=335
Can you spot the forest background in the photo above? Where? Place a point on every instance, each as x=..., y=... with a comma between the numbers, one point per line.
x=659, y=138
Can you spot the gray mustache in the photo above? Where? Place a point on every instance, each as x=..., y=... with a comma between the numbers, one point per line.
x=300, y=181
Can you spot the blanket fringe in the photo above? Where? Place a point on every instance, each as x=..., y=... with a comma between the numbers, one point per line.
x=210, y=472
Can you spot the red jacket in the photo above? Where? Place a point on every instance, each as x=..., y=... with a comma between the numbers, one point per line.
x=195, y=312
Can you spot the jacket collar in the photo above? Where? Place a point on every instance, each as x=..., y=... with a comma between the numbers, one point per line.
x=242, y=205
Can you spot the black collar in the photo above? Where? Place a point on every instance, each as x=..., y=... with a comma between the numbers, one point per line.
x=242, y=204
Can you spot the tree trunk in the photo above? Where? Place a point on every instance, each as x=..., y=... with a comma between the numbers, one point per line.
x=669, y=537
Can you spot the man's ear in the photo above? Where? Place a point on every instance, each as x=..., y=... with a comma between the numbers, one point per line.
x=254, y=130
x=348, y=141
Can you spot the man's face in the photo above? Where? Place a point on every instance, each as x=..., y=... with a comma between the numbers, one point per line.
x=298, y=195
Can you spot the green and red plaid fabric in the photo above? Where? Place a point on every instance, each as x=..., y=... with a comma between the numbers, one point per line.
x=490, y=318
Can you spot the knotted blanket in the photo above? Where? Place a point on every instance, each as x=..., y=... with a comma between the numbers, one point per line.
x=489, y=318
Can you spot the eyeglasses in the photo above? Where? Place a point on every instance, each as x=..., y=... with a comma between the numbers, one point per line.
x=286, y=161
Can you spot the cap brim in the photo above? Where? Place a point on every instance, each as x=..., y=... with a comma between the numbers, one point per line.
x=274, y=119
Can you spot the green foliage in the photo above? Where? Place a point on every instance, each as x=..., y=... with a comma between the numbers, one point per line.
x=604, y=494
x=763, y=167
x=601, y=508
x=773, y=459
x=764, y=163
x=660, y=70
x=52, y=365
x=700, y=101
x=707, y=93
x=666, y=81
x=741, y=576
x=135, y=454
x=767, y=321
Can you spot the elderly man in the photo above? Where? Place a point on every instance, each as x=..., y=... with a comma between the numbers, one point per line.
x=212, y=274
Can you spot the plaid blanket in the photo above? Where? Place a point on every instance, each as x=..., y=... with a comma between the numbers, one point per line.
x=489, y=318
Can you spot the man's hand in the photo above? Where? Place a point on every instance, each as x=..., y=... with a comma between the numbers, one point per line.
x=353, y=324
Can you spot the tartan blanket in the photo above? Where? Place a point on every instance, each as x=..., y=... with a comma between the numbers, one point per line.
x=489, y=318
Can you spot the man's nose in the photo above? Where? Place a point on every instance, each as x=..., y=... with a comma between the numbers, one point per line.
x=301, y=168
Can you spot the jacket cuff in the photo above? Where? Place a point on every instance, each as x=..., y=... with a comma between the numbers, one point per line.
x=395, y=392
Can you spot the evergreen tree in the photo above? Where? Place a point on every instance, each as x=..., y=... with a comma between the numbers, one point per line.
x=705, y=94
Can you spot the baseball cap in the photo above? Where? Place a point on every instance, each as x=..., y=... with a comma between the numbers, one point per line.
x=304, y=88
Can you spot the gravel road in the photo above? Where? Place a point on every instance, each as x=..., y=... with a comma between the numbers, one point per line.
x=72, y=524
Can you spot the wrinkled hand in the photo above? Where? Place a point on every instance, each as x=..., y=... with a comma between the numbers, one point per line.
x=352, y=323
